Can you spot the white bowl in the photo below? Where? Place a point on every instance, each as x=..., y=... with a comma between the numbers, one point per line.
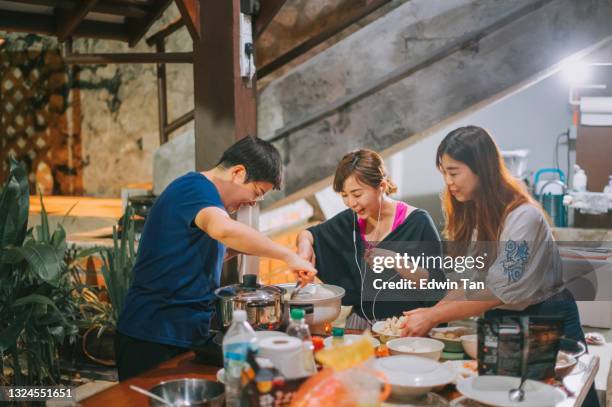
x=413, y=375
x=377, y=329
x=450, y=336
x=348, y=339
x=424, y=347
x=470, y=345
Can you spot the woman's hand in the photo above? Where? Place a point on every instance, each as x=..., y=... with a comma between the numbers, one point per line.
x=305, y=247
x=419, y=322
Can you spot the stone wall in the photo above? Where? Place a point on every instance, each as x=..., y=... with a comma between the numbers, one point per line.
x=120, y=120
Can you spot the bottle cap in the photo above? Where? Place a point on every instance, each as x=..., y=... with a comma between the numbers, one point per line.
x=239, y=315
x=297, y=313
x=337, y=331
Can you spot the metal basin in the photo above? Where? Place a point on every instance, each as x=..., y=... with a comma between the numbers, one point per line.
x=190, y=392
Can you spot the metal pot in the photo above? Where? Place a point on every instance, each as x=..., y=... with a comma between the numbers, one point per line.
x=262, y=303
x=319, y=311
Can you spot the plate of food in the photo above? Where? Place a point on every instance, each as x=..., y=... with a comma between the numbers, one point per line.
x=388, y=329
x=463, y=368
x=451, y=336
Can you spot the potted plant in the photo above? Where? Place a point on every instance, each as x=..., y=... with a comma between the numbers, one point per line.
x=37, y=299
x=117, y=264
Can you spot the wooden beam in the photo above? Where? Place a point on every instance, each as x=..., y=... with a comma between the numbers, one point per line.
x=354, y=16
x=267, y=10
x=131, y=58
x=42, y=24
x=69, y=21
x=166, y=31
x=125, y=10
x=190, y=12
x=225, y=107
x=138, y=27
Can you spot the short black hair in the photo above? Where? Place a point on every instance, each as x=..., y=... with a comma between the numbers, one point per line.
x=260, y=158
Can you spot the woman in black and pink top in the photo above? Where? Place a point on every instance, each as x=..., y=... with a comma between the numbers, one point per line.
x=344, y=247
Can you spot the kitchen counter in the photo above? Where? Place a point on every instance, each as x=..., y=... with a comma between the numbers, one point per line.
x=577, y=382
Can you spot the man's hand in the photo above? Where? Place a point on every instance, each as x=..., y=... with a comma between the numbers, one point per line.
x=304, y=270
x=419, y=322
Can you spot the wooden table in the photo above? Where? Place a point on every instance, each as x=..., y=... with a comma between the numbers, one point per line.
x=179, y=367
x=577, y=382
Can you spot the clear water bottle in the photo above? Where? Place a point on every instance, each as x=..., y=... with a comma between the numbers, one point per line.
x=299, y=329
x=236, y=342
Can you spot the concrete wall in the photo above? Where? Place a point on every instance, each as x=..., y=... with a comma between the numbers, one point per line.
x=530, y=119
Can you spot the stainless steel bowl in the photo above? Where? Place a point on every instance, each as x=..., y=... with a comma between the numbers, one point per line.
x=263, y=304
x=190, y=392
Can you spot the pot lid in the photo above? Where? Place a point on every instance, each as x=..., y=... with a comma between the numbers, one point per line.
x=250, y=291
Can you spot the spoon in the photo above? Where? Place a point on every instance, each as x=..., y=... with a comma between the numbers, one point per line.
x=518, y=395
x=153, y=396
x=295, y=291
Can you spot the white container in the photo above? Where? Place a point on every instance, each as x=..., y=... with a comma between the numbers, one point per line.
x=470, y=345
x=423, y=347
x=579, y=181
x=236, y=342
x=516, y=162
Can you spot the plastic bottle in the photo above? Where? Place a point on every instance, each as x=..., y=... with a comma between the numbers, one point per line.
x=299, y=329
x=337, y=336
x=236, y=342
x=579, y=181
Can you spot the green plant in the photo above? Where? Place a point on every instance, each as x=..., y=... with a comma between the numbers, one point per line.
x=37, y=300
x=117, y=264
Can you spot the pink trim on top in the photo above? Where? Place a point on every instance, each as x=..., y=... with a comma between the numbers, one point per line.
x=402, y=210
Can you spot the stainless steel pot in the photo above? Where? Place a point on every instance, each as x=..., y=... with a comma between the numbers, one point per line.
x=263, y=304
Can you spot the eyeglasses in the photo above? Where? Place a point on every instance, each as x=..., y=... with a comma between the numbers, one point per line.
x=259, y=194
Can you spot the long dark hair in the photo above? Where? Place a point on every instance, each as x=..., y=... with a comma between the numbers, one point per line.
x=498, y=193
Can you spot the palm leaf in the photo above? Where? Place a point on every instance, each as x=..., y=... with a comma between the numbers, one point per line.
x=8, y=337
x=44, y=260
x=14, y=206
x=37, y=299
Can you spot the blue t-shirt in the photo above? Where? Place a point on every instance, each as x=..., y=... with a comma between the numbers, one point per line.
x=177, y=269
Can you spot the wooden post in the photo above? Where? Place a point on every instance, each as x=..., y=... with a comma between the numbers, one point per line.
x=225, y=107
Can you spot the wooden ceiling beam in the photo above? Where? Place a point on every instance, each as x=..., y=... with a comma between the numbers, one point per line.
x=354, y=16
x=68, y=22
x=190, y=13
x=267, y=10
x=124, y=10
x=138, y=27
x=41, y=24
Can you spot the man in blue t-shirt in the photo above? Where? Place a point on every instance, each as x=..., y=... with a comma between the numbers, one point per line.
x=181, y=251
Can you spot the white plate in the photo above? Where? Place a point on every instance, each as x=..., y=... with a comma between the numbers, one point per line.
x=461, y=371
x=494, y=390
x=348, y=339
x=413, y=375
x=221, y=375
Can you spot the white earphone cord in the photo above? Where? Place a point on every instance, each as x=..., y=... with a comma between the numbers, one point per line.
x=362, y=273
